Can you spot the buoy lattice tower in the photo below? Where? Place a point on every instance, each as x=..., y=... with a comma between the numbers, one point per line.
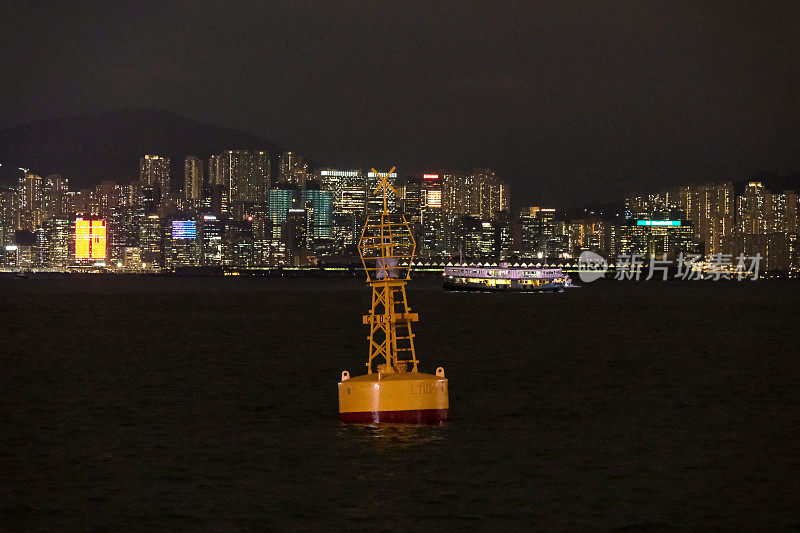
x=393, y=389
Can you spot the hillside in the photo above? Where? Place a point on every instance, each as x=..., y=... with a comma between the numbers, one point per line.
x=93, y=148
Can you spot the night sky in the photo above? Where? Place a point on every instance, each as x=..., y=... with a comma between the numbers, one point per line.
x=570, y=102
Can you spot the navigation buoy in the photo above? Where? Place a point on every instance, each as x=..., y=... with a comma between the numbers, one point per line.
x=393, y=389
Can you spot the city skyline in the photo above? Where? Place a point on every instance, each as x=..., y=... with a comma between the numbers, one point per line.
x=238, y=210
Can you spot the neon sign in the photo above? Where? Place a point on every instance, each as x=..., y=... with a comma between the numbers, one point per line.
x=184, y=229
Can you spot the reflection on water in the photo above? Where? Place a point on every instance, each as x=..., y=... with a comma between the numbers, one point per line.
x=392, y=437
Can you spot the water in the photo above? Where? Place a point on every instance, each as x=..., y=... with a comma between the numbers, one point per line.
x=211, y=403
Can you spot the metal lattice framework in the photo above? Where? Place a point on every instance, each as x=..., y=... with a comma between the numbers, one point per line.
x=387, y=249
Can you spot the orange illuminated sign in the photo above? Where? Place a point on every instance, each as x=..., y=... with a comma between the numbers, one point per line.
x=90, y=239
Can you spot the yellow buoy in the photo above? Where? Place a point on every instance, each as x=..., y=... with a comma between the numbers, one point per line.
x=392, y=390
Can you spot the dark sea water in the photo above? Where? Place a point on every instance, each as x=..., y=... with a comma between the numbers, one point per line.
x=210, y=404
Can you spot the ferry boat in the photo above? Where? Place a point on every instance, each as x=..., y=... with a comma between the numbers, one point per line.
x=505, y=278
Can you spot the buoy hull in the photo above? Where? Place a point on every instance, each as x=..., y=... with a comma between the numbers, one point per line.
x=403, y=397
x=416, y=416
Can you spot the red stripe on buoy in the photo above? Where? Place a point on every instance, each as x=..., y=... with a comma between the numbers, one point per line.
x=413, y=416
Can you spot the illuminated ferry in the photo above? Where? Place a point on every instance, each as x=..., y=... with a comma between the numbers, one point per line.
x=504, y=278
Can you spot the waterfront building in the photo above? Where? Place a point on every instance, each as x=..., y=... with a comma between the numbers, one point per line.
x=8, y=214
x=55, y=245
x=294, y=234
x=151, y=243
x=88, y=245
x=212, y=231
x=589, y=234
x=434, y=219
x=238, y=245
x=181, y=247
x=664, y=239
x=539, y=237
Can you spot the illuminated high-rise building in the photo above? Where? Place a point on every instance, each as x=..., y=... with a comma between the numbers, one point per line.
x=107, y=197
x=55, y=189
x=494, y=193
x=349, y=204
x=193, y=179
x=319, y=202
x=432, y=215
x=151, y=243
x=29, y=196
x=181, y=245
x=88, y=247
x=212, y=231
x=237, y=169
x=461, y=194
x=238, y=245
x=293, y=169
x=590, y=234
x=411, y=198
x=56, y=242
x=539, y=237
x=282, y=197
x=215, y=174
x=123, y=227
x=752, y=210
x=664, y=239
x=8, y=214
x=711, y=210
x=244, y=175
x=294, y=233
x=262, y=172
x=154, y=171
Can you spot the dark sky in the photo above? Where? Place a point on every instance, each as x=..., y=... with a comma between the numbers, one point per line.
x=571, y=102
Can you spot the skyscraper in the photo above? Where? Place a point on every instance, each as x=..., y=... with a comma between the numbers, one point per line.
x=212, y=230
x=29, y=196
x=494, y=193
x=433, y=218
x=151, y=243
x=54, y=196
x=193, y=178
x=281, y=199
x=154, y=172
x=539, y=237
x=56, y=242
x=181, y=245
x=349, y=204
x=292, y=168
x=244, y=175
x=319, y=202
x=262, y=172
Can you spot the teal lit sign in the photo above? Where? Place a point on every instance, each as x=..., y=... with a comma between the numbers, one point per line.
x=658, y=222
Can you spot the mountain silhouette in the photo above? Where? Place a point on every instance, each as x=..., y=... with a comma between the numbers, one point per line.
x=90, y=149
